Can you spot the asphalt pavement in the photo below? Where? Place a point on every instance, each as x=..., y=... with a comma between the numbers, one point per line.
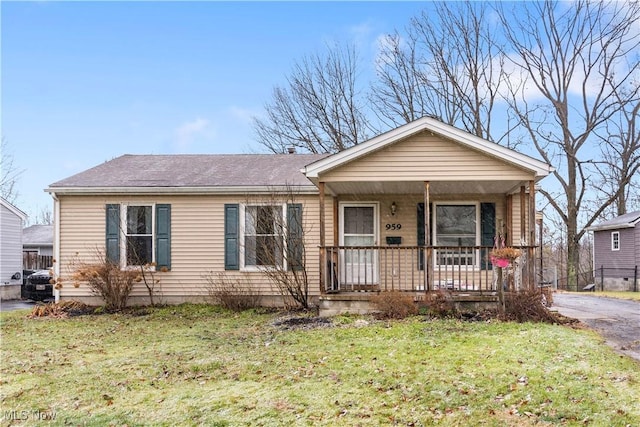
x=617, y=320
x=12, y=305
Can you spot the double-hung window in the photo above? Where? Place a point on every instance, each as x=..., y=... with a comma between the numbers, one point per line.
x=456, y=228
x=139, y=235
x=615, y=241
x=263, y=235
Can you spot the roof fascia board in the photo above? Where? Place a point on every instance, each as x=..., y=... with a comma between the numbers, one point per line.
x=630, y=224
x=611, y=227
x=540, y=168
x=22, y=215
x=297, y=189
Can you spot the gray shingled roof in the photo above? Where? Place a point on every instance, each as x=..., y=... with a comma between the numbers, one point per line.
x=38, y=235
x=623, y=221
x=190, y=170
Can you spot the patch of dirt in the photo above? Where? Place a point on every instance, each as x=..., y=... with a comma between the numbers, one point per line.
x=303, y=323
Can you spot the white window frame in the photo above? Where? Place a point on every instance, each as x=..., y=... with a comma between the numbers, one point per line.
x=123, y=234
x=615, y=240
x=241, y=238
x=434, y=236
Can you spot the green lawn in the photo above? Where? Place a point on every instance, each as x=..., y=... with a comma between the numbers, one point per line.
x=198, y=365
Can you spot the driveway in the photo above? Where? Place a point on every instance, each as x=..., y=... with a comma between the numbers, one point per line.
x=618, y=321
x=12, y=305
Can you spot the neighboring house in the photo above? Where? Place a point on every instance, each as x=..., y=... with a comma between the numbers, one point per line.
x=37, y=247
x=616, y=252
x=358, y=220
x=11, y=223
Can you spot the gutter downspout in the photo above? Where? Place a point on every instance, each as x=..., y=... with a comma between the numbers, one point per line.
x=56, y=243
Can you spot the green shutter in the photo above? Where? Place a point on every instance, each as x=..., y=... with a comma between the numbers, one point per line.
x=163, y=236
x=487, y=232
x=231, y=236
x=421, y=231
x=295, y=248
x=112, y=242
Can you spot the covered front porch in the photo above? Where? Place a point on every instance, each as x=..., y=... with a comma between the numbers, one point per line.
x=420, y=208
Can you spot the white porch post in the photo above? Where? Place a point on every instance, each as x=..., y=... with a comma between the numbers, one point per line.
x=428, y=267
x=323, y=255
x=532, y=234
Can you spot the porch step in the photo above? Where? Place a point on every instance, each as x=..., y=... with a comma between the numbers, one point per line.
x=335, y=304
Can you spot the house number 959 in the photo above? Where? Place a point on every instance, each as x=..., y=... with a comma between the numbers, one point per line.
x=393, y=226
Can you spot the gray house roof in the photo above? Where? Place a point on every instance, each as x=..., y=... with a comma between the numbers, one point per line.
x=196, y=172
x=628, y=220
x=38, y=235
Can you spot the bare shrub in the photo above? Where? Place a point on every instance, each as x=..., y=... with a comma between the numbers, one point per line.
x=232, y=293
x=394, y=305
x=527, y=305
x=440, y=304
x=107, y=280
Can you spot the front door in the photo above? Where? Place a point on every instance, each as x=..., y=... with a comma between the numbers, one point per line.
x=359, y=234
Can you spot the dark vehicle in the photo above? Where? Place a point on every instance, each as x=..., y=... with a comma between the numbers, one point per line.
x=25, y=274
x=38, y=286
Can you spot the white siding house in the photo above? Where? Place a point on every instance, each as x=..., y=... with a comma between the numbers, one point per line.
x=11, y=223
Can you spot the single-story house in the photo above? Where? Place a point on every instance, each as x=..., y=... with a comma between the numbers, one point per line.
x=616, y=252
x=37, y=246
x=11, y=222
x=414, y=209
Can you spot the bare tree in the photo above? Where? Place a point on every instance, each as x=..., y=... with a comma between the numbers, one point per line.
x=618, y=170
x=320, y=110
x=577, y=61
x=44, y=217
x=9, y=173
x=449, y=66
x=400, y=93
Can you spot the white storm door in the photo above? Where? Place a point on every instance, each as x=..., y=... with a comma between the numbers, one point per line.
x=359, y=264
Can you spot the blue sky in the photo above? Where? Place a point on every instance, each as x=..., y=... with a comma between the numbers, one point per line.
x=84, y=82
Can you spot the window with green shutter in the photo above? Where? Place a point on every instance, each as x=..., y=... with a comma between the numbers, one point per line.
x=455, y=225
x=138, y=234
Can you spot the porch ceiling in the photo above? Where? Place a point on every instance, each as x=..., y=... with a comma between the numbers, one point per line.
x=416, y=187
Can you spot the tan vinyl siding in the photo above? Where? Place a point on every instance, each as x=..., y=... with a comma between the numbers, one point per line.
x=197, y=241
x=406, y=214
x=518, y=233
x=426, y=157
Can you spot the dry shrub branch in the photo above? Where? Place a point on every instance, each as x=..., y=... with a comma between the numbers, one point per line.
x=394, y=305
x=232, y=293
x=527, y=306
x=106, y=280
